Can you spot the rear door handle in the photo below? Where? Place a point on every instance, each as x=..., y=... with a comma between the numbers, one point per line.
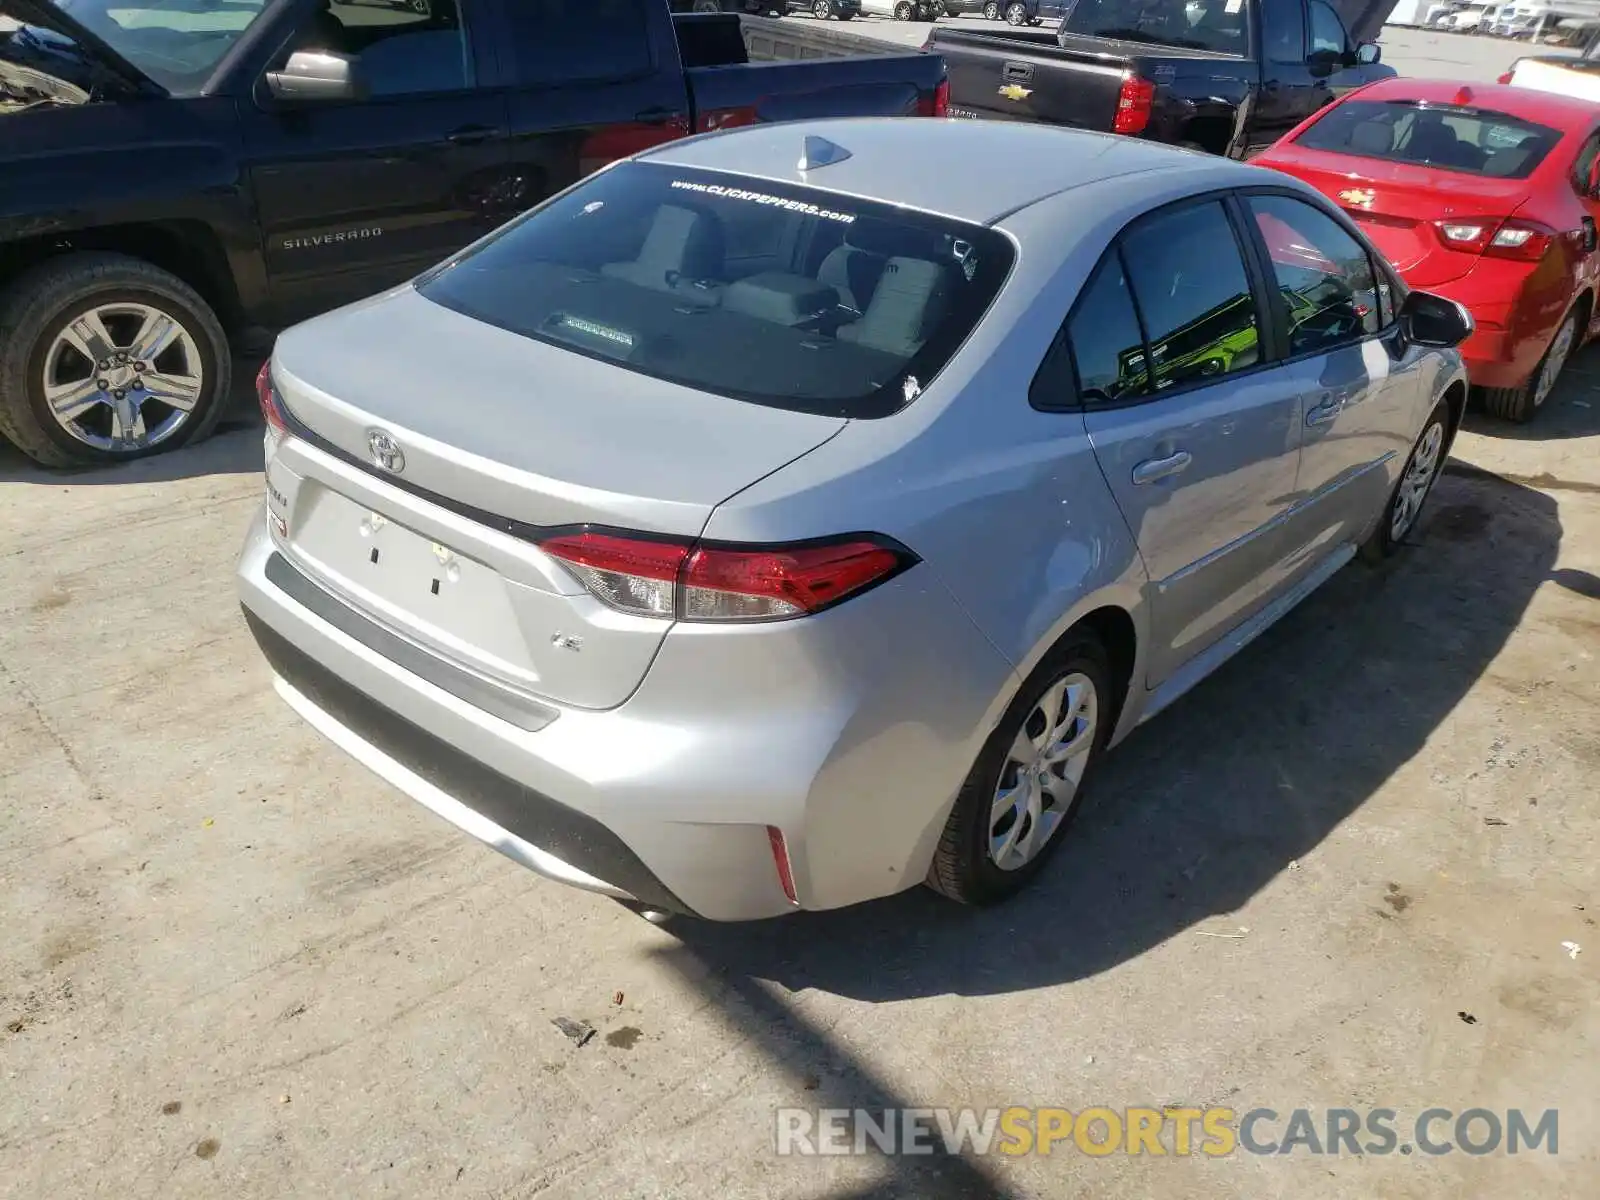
x=1324, y=412
x=471, y=135
x=1153, y=469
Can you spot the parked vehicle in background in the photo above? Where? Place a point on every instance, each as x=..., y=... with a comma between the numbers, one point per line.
x=822, y=10
x=855, y=505
x=900, y=10
x=1576, y=75
x=1012, y=12
x=1486, y=194
x=1196, y=74
x=292, y=155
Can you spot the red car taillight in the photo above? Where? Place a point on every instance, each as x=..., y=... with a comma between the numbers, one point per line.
x=1135, y=99
x=938, y=105
x=660, y=578
x=1524, y=241
x=1505, y=78
x=271, y=413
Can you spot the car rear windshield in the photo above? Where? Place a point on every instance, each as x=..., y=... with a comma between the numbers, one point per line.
x=1471, y=140
x=784, y=296
x=1218, y=25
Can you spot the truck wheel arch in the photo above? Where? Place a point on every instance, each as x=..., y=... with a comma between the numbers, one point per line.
x=190, y=250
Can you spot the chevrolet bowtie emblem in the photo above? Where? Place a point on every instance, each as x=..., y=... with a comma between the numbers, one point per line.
x=1362, y=196
x=1015, y=91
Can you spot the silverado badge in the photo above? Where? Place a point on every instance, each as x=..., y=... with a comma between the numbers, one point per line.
x=1015, y=91
x=1362, y=196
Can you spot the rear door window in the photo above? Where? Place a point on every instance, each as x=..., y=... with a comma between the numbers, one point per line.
x=1327, y=293
x=1450, y=137
x=579, y=41
x=1193, y=295
x=779, y=295
x=1107, y=342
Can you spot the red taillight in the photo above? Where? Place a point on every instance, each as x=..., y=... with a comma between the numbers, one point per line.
x=1524, y=241
x=780, y=859
x=657, y=578
x=1134, y=102
x=938, y=105
x=271, y=409
x=1506, y=78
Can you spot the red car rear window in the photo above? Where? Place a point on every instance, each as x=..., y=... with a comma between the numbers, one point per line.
x=1470, y=140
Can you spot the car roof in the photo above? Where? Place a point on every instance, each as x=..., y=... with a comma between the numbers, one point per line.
x=1563, y=112
x=977, y=171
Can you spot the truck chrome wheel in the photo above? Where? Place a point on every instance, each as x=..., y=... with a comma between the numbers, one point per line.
x=121, y=377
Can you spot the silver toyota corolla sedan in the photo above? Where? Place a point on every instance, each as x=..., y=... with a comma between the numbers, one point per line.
x=790, y=516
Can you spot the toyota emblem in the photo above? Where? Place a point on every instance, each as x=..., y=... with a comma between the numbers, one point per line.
x=386, y=452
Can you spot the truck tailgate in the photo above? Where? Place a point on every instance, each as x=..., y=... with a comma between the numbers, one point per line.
x=1019, y=77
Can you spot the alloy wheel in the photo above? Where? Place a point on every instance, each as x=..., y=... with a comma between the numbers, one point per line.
x=1016, y=14
x=122, y=377
x=1420, y=472
x=822, y=9
x=1555, y=359
x=1043, y=768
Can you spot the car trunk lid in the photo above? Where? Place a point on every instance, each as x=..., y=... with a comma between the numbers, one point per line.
x=1398, y=205
x=420, y=483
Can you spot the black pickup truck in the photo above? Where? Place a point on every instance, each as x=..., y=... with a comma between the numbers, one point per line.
x=180, y=178
x=1227, y=76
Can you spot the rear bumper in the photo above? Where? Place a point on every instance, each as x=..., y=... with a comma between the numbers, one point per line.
x=667, y=799
x=1505, y=345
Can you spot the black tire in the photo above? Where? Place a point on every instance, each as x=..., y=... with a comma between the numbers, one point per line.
x=991, y=10
x=40, y=302
x=822, y=9
x=1017, y=15
x=1384, y=541
x=902, y=11
x=1519, y=404
x=962, y=866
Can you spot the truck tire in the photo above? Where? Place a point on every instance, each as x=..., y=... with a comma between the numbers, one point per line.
x=902, y=11
x=163, y=371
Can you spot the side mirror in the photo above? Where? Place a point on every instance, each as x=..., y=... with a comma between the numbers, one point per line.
x=316, y=77
x=1322, y=63
x=1429, y=320
x=1368, y=53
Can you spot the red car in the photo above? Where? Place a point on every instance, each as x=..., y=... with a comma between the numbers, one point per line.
x=1483, y=193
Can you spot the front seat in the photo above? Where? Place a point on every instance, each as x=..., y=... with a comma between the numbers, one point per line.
x=911, y=299
x=683, y=248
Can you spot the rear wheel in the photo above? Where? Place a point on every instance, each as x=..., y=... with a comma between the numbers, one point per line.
x=105, y=358
x=1027, y=784
x=902, y=11
x=822, y=9
x=1519, y=404
x=1016, y=14
x=991, y=10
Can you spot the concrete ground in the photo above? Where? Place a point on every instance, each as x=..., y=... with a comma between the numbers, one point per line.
x=1339, y=874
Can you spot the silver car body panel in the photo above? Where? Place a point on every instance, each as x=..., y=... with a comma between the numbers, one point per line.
x=851, y=731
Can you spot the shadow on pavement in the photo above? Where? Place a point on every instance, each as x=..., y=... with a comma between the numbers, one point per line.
x=1191, y=816
x=234, y=449
x=1572, y=411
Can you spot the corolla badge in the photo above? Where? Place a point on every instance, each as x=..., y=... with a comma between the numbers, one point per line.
x=1362, y=196
x=385, y=451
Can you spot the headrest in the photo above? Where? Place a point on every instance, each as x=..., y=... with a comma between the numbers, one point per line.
x=1372, y=137
x=889, y=240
